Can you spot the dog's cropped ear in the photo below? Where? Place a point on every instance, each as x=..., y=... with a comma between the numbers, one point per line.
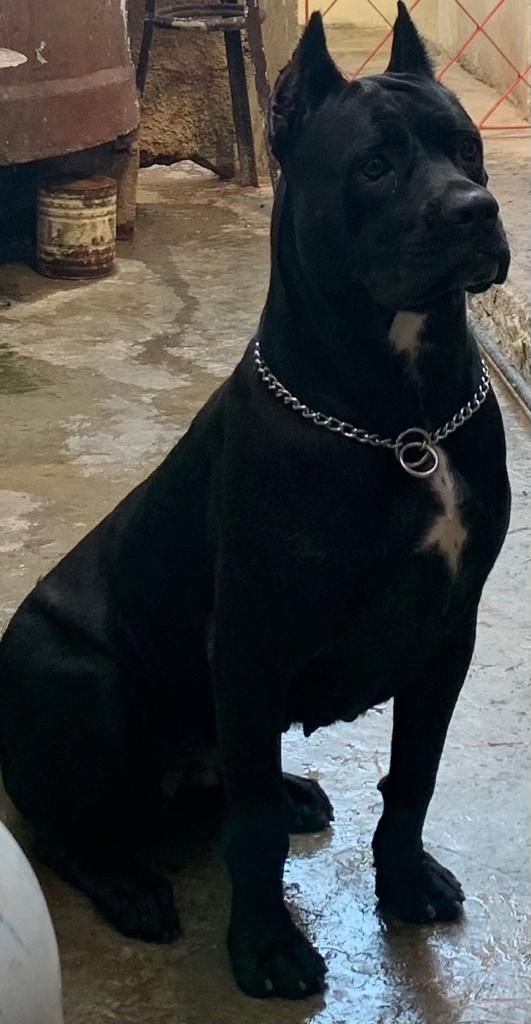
x=302, y=86
x=408, y=53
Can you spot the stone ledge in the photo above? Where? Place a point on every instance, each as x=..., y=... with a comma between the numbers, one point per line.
x=504, y=313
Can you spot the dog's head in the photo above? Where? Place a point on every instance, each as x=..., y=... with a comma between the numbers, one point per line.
x=385, y=175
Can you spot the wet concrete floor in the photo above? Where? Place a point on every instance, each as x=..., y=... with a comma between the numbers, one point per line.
x=96, y=382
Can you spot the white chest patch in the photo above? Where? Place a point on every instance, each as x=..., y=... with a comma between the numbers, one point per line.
x=405, y=334
x=446, y=532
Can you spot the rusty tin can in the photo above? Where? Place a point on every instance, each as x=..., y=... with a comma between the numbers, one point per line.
x=76, y=227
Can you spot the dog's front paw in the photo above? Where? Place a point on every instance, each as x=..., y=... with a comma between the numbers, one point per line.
x=309, y=809
x=276, y=962
x=421, y=892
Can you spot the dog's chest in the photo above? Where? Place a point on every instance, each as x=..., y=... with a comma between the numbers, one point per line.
x=446, y=533
x=436, y=554
x=432, y=558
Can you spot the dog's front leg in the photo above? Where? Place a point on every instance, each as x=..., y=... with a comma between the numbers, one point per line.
x=270, y=956
x=409, y=882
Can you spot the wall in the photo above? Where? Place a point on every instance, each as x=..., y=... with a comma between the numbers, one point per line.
x=280, y=32
x=362, y=14
x=509, y=27
x=444, y=24
x=355, y=12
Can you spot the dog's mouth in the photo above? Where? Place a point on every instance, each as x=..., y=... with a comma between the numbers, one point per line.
x=479, y=272
x=476, y=272
x=423, y=272
x=491, y=268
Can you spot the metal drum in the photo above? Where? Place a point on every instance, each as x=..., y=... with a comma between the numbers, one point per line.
x=76, y=228
x=66, y=77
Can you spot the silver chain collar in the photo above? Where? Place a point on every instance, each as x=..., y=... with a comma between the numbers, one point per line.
x=414, y=447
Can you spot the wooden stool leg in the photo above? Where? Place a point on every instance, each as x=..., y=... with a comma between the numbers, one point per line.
x=261, y=77
x=145, y=47
x=240, y=108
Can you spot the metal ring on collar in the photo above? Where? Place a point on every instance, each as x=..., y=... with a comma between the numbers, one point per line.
x=421, y=444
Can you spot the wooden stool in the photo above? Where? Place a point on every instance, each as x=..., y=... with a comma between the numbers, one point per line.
x=232, y=19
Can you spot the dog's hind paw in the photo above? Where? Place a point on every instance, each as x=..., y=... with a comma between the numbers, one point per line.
x=134, y=898
x=141, y=907
x=309, y=809
x=283, y=964
x=422, y=894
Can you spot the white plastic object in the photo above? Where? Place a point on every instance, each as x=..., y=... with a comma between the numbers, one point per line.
x=30, y=976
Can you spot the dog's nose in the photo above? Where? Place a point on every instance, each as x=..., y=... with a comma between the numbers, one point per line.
x=472, y=206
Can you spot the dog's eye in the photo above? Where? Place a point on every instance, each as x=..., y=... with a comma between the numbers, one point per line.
x=469, y=150
x=376, y=168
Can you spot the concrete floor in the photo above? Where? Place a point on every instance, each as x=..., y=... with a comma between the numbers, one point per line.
x=97, y=381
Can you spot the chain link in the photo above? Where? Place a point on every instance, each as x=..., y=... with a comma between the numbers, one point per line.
x=467, y=410
x=336, y=426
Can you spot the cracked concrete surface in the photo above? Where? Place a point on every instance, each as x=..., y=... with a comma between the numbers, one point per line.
x=97, y=381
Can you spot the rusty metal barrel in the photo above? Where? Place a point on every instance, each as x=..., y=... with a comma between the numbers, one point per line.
x=76, y=228
x=66, y=77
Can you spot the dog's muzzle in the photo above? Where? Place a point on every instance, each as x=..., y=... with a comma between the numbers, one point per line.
x=465, y=222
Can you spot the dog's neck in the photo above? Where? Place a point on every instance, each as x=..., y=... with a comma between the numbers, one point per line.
x=345, y=355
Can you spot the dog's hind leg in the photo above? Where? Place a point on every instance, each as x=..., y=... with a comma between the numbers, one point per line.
x=97, y=842
x=309, y=809
x=78, y=763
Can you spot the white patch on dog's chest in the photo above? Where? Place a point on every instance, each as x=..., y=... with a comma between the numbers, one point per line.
x=405, y=334
x=446, y=533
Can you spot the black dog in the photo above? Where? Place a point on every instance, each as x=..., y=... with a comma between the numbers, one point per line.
x=281, y=565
